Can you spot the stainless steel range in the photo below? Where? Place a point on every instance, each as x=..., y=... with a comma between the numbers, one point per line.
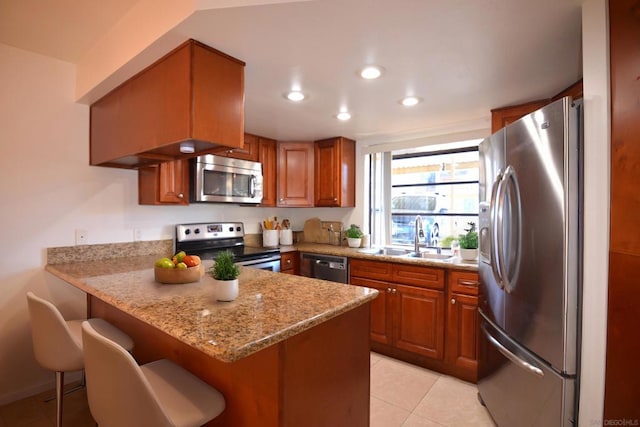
x=207, y=239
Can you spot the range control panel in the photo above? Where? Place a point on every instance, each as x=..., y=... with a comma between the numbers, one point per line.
x=208, y=231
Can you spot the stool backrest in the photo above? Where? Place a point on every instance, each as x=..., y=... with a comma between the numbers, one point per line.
x=119, y=395
x=54, y=346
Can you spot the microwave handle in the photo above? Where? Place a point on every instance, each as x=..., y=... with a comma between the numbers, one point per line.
x=252, y=186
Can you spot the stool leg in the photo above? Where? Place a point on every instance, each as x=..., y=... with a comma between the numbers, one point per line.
x=59, y=393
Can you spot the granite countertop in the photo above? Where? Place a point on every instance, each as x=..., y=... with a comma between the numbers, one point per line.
x=323, y=248
x=270, y=308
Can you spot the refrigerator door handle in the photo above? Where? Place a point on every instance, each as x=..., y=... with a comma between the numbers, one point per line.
x=495, y=253
x=509, y=273
x=512, y=357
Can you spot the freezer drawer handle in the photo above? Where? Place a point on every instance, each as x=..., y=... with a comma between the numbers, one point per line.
x=512, y=357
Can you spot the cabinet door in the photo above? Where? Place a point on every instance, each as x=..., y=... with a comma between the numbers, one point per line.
x=267, y=155
x=500, y=117
x=335, y=172
x=462, y=333
x=166, y=183
x=295, y=174
x=289, y=262
x=380, y=311
x=419, y=320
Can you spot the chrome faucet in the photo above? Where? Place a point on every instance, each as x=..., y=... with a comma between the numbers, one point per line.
x=418, y=234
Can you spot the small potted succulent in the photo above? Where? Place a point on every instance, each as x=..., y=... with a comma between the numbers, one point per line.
x=225, y=274
x=354, y=236
x=469, y=243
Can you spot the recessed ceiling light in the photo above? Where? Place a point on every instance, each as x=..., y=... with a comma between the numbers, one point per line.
x=295, y=96
x=410, y=101
x=343, y=115
x=371, y=72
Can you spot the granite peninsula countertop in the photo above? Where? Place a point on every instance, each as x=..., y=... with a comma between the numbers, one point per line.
x=270, y=308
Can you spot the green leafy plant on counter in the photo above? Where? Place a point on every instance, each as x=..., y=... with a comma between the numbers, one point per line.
x=447, y=241
x=224, y=268
x=470, y=239
x=354, y=232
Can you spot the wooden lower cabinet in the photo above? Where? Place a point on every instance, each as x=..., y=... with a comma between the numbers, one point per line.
x=424, y=315
x=419, y=320
x=462, y=324
x=409, y=318
x=289, y=262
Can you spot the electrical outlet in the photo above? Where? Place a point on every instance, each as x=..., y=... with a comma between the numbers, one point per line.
x=81, y=236
x=137, y=234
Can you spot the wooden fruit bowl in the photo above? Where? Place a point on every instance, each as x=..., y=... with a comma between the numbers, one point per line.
x=176, y=276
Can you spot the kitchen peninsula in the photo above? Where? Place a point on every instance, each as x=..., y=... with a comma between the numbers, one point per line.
x=289, y=351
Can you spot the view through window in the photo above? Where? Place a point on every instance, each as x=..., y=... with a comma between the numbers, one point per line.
x=441, y=186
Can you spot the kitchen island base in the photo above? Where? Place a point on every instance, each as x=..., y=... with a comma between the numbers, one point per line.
x=319, y=377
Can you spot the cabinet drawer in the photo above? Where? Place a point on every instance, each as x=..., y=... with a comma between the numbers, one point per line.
x=288, y=262
x=464, y=282
x=370, y=269
x=424, y=277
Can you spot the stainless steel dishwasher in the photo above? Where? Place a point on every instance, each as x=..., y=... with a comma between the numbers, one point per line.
x=325, y=267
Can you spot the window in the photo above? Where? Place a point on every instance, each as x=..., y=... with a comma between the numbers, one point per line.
x=440, y=185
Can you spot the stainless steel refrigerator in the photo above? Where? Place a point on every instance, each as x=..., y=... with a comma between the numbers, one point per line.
x=530, y=262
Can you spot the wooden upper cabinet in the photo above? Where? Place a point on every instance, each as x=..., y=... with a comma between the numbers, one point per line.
x=335, y=172
x=248, y=151
x=295, y=174
x=501, y=117
x=575, y=91
x=195, y=93
x=268, y=156
x=166, y=183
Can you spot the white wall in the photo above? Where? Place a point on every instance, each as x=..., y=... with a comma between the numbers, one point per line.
x=596, y=210
x=49, y=190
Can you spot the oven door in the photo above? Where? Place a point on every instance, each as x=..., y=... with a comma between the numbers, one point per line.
x=271, y=263
x=225, y=180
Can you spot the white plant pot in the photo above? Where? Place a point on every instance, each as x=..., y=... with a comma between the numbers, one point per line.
x=354, y=242
x=468, y=254
x=225, y=290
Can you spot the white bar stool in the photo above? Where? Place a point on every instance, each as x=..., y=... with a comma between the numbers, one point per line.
x=121, y=393
x=57, y=343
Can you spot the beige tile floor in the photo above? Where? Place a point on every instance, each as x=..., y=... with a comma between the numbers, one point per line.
x=402, y=395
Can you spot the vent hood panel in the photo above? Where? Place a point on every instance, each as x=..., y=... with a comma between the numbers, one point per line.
x=194, y=93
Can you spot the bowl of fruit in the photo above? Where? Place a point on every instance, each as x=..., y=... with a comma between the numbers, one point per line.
x=180, y=268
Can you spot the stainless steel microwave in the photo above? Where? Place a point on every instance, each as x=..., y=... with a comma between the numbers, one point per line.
x=225, y=180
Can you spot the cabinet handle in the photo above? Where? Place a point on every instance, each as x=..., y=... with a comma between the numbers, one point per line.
x=393, y=291
x=467, y=283
x=335, y=199
x=388, y=290
x=453, y=300
x=288, y=261
x=180, y=195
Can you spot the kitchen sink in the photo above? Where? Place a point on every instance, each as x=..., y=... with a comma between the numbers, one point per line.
x=386, y=251
x=427, y=255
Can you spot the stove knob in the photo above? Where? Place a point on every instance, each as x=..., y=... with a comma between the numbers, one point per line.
x=231, y=229
x=197, y=231
x=238, y=228
x=187, y=231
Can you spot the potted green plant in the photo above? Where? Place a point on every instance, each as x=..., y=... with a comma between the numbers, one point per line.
x=469, y=243
x=354, y=236
x=225, y=274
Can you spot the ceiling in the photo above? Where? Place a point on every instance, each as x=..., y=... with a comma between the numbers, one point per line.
x=462, y=57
